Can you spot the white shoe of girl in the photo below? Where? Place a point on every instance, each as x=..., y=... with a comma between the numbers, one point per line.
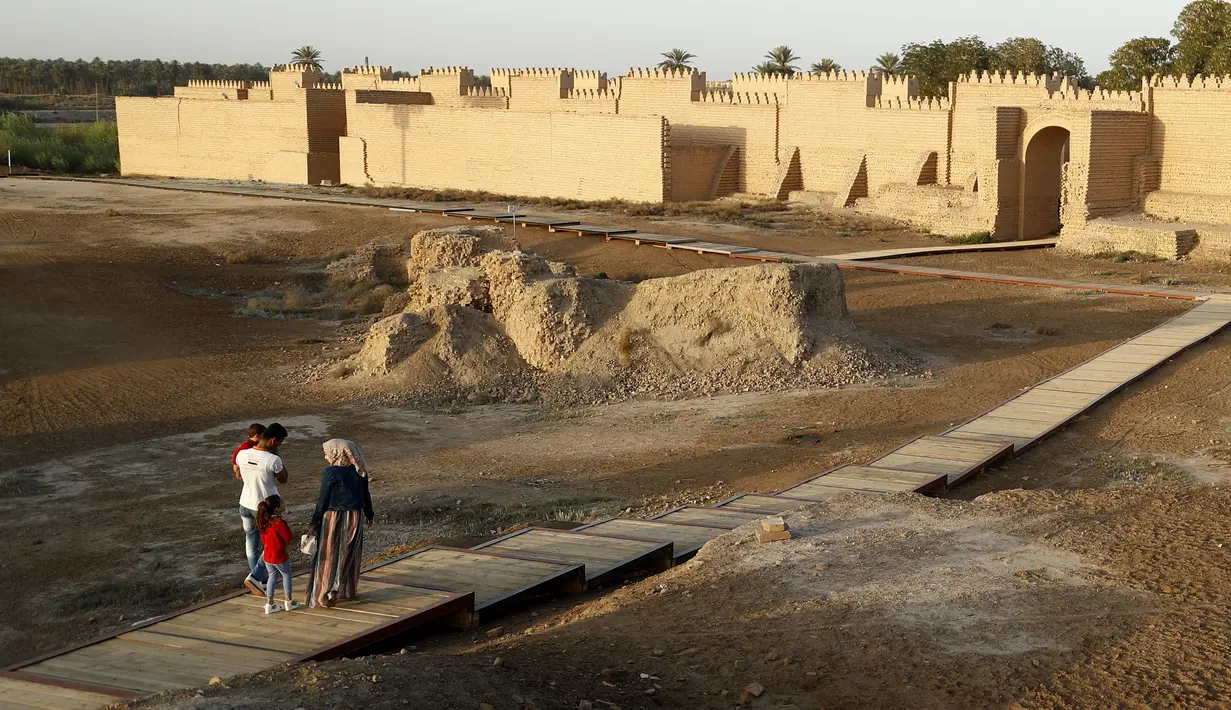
x=289, y=605
x=271, y=608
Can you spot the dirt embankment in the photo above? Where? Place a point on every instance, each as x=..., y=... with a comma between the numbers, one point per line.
x=494, y=322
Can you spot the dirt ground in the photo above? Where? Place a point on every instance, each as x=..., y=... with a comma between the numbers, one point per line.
x=126, y=378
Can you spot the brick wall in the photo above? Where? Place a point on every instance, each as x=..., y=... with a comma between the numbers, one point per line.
x=694, y=170
x=228, y=140
x=569, y=155
x=1190, y=137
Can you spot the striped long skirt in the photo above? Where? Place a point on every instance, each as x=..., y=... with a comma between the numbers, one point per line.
x=339, y=554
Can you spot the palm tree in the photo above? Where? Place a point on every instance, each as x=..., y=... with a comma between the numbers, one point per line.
x=766, y=68
x=308, y=55
x=888, y=64
x=677, y=60
x=826, y=66
x=782, y=57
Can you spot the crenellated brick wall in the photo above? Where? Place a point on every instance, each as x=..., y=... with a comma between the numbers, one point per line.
x=1014, y=154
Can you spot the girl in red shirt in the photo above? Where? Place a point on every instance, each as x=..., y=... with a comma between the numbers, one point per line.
x=275, y=534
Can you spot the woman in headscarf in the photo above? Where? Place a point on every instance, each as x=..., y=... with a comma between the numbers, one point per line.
x=336, y=526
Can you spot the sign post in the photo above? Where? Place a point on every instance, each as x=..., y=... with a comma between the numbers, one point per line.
x=513, y=211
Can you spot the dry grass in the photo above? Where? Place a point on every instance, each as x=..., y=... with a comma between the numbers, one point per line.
x=487, y=519
x=973, y=238
x=245, y=256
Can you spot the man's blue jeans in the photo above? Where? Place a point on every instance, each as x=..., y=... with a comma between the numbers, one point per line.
x=252, y=545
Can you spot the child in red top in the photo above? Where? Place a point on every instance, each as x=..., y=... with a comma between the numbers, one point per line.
x=275, y=534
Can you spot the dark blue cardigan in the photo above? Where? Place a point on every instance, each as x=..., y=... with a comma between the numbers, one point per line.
x=342, y=488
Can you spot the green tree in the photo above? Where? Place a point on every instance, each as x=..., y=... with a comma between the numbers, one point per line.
x=826, y=66
x=1137, y=58
x=888, y=64
x=766, y=68
x=677, y=60
x=938, y=63
x=1021, y=54
x=783, y=59
x=1202, y=32
x=308, y=55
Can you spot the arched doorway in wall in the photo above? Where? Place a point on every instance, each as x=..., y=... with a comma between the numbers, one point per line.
x=1046, y=155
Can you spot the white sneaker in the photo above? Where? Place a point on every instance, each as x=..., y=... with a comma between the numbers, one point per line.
x=256, y=587
x=271, y=608
x=290, y=605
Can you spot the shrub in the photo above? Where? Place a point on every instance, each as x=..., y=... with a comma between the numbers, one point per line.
x=86, y=148
x=973, y=238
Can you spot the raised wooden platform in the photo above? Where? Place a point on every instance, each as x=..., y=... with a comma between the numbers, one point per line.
x=226, y=637
x=491, y=215
x=582, y=229
x=931, y=272
x=685, y=539
x=956, y=460
x=498, y=580
x=652, y=238
x=711, y=517
x=708, y=247
x=16, y=694
x=1028, y=418
x=540, y=221
x=758, y=502
x=605, y=558
x=876, y=254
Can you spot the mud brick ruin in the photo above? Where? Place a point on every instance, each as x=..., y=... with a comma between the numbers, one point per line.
x=1014, y=155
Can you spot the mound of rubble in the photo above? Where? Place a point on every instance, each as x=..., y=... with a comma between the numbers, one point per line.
x=486, y=320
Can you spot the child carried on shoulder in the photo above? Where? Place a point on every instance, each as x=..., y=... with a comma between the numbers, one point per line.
x=275, y=535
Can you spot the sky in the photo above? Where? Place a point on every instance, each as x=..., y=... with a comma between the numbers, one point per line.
x=726, y=36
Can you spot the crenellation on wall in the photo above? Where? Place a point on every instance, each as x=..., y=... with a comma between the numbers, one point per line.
x=737, y=98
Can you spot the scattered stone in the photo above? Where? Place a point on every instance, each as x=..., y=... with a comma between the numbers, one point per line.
x=752, y=690
x=496, y=632
x=215, y=680
x=486, y=706
x=498, y=663
x=614, y=673
x=585, y=705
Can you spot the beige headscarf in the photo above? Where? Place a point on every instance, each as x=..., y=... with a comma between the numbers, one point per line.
x=341, y=452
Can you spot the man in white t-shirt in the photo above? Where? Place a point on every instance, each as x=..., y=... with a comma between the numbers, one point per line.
x=261, y=469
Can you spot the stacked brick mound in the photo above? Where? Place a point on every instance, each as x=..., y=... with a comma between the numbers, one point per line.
x=486, y=320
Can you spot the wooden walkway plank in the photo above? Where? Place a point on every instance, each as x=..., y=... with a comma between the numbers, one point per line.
x=605, y=558
x=584, y=229
x=1065, y=383
x=19, y=694
x=685, y=539
x=818, y=491
x=497, y=580
x=711, y=517
x=757, y=502
x=886, y=478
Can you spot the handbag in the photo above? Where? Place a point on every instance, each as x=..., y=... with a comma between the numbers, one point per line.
x=307, y=544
